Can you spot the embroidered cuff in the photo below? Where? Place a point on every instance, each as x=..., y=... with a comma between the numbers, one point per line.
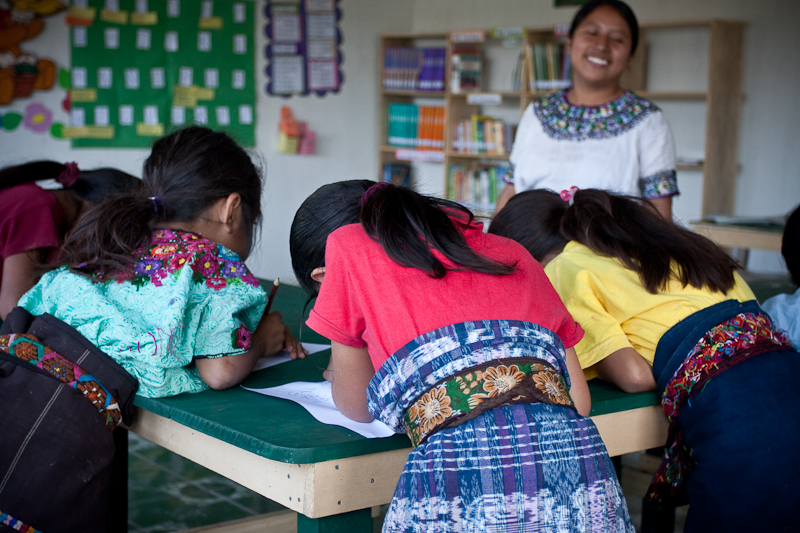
x=508, y=177
x=661, y=185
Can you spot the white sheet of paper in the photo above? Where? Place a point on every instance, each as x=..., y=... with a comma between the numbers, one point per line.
x=112, y=38
x=79, y=38
x=204, y=41
x=157, y=78
x=211, y=76
x=186, y=76
x=317, y=399
x=101, y=115
x=238, y=80
x=173, y=8
x=239, y=14
x=178, y=115
x=131, y=78
x=287, y=74
x=143, y=39
x=245, y=114
x=125, y=115
x=104, y=77
x=79, y=77
x=223, y=115
x=171, y=41
x=283, y=356
x=201, y=115
x=77, y=117
x=240, y=44
x=151, y=115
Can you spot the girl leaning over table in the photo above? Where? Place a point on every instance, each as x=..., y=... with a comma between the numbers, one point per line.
x=456, y=338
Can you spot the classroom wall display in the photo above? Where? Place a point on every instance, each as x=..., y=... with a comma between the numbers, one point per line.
x=303, y=54
x=142, y=68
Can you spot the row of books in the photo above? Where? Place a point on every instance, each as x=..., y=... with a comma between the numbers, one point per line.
x=482, y=135
x=419, y=127
x=476, y=185
x=549, y=66
x=466, y=69
x=414, y=69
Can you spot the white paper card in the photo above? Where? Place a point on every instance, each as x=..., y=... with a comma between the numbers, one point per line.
x=321, y=49
x=223, y=115
x=317, y=399
x=186, y=76
x=207, y=9
x=283, y=49
x=238, y=81
x=286, y=28
x=101, y=117
x=287, y=74
x=104, y=77
x=245, y=114
x=78, y=117
x=79, y=38
x=151, y=115
x=143, y=39
x=125, y=115
x=141, y=6
x=79, y=77
x=111, y=36
x=240, y=44
x=239, y=13
x=173, y=8
x=201, y=114
x=321, y=26
x=211, y=76
x=319, y=5
x=157, y=78
x=171, y=41
x=283, y=356
x=321, y=75
x=178, y=115
x=131, y=78
x=204, y=41
x=112, y=5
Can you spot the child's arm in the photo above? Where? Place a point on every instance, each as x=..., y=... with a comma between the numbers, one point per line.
x=578, y=390
x=628, y=370
x=269, y=338
x=349, y=372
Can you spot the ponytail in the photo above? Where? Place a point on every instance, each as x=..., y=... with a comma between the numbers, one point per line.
x=90, y=185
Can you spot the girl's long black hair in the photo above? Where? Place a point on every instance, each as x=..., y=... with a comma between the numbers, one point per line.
x=628, y=229
x=407, y=225
x=186, y=172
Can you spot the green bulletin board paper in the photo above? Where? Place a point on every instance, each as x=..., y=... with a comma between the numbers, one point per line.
x=237, y=22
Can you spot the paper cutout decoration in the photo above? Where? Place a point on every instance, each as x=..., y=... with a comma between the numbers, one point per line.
x=294, y=137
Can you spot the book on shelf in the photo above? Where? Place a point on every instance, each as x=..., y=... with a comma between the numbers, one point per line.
x=476, y=185
x=466, y=68
x=413, y=69
x=417, y=127
x=397, y=173
x=549, y=66
x=480, y=134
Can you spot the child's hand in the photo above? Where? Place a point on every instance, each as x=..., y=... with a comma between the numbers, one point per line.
x=293, y=346
x=273, y=331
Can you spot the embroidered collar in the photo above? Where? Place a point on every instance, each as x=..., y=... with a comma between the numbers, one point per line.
x=566, y=122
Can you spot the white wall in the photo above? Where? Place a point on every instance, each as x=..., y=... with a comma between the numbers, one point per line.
x=346, y=123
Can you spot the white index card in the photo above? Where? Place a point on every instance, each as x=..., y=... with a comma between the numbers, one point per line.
x=245, y=114
x=79, y=77
x=101, y=115
x=131, y=78
x=239, y=14
x=173, y=8
x=143, y=39
x=212, y=78
x=207, y=9
x=151, y=115
x=171, y=41
x=186, y=76
x=126, y=115
x=238, y=80
x=240, y=44
x=79, y=37
x=178, y=115
x=204, y=41
x=111, y=36
x=112, y=5
x=141, y=6
x=157, y=78
x=104, y=77
x=201, y=114
x=223, y=115
x=77, y=117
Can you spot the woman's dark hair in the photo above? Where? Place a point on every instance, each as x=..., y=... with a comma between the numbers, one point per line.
x=539, y=209
x=790, y=245
x=628, y=229
x=186, y=172
x=91, y=185
x=621, y=7
x=407, y=225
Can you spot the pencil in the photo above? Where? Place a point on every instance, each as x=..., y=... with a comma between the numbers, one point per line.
x=272, y=294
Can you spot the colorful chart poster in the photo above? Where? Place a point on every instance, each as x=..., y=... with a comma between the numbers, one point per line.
x=142, y=68
x=303, y=55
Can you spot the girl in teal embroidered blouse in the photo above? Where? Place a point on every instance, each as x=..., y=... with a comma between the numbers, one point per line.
x=156, y=278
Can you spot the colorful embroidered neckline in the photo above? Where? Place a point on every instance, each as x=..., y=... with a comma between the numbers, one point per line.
x=564, y=121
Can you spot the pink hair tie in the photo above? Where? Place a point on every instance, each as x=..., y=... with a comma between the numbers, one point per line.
x=372, y=190
x=69, y=175
x=568, y=194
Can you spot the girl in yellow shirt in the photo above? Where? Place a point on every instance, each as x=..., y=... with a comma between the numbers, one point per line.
x=663, y=308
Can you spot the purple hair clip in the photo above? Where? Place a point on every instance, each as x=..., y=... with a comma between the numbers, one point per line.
x=372, y=190
x=69, y=175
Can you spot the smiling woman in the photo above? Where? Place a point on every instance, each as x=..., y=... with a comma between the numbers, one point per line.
x=596, y=134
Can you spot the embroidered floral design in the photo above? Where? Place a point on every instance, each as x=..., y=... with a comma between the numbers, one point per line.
x=216, y=283
x=550, y=384
x=565, y=122
x=206, y=265
x=242, y=337
x=659, y=185
x=431, y=409
x=163, y=250
x=501, y=379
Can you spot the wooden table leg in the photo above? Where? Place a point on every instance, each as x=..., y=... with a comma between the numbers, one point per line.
x=353, y=522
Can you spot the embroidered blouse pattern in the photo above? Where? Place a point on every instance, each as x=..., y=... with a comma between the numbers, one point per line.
x=564, y=121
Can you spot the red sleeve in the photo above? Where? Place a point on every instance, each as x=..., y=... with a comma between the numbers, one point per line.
x=337, y=313
x=32, y=220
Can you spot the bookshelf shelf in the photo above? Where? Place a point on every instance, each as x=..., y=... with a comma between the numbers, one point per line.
x=672, y=95
x=414, y=94
x=463, y=155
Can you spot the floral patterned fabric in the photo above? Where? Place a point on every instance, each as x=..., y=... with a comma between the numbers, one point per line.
x=184, y=297
x=525, y=467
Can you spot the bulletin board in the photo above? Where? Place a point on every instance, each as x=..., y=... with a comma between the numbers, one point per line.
x=142, y=68
x=303, y=54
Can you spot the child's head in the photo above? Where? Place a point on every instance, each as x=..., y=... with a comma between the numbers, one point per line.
x=790, y=245
x=407, y=225
x=186, y=173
